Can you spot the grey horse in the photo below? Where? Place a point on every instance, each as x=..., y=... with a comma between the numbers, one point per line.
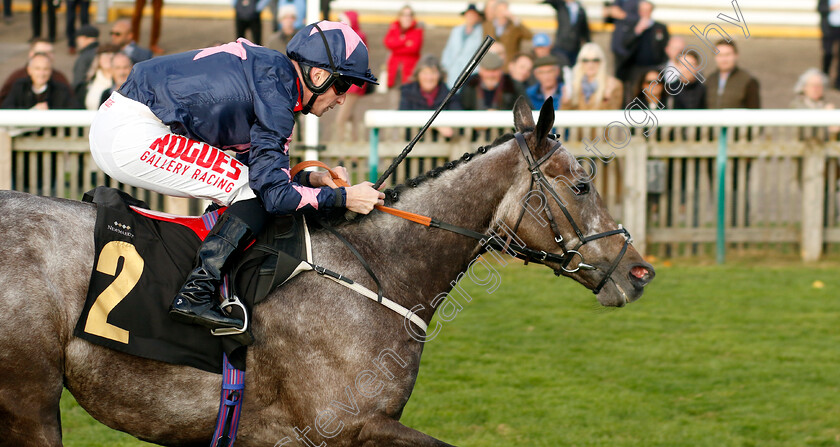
x=329, y=367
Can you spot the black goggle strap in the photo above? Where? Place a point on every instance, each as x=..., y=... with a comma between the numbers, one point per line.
x=308, y=107
x=317, y=91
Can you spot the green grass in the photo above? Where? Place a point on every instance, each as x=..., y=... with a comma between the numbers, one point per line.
x=746, y=354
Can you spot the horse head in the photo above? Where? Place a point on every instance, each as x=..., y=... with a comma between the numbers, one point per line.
x=559, y=219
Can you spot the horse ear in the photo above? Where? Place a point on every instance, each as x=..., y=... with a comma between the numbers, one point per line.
x=546, y=120
x=523, y=117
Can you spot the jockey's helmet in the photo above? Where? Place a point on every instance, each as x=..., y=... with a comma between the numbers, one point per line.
x=336, y=48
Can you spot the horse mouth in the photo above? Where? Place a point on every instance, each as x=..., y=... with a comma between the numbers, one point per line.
x=619, y=293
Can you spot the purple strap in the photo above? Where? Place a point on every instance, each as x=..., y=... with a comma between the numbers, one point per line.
x=233, y=381
x=227, y=422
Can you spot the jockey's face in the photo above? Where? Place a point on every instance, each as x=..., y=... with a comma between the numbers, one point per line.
x=327, y=100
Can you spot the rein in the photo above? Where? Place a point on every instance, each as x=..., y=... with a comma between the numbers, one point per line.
x=519, y=251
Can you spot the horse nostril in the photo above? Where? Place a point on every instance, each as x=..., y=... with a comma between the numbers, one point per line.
x=641, y=275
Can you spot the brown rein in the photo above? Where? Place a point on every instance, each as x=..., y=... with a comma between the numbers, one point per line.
x=424, y=220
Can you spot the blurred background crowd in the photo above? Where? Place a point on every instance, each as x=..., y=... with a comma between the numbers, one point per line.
x=636, y=59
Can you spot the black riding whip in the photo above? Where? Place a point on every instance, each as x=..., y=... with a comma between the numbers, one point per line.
x=479, y=54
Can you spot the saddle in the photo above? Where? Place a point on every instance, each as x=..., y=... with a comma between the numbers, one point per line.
x=143, y=257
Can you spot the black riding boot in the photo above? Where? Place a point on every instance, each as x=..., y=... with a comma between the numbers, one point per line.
x=197, y=301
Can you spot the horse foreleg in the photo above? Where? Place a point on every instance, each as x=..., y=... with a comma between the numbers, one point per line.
x=384, y=431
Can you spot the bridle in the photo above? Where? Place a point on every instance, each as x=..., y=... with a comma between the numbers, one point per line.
x=567, y=255
x=508, y=245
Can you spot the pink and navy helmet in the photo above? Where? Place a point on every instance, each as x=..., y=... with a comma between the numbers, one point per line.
x=335, y=47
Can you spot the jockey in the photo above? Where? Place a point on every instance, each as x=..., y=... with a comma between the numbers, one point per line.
x=167, y=126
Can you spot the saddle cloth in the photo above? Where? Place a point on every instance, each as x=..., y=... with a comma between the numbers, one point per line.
x=143, y=257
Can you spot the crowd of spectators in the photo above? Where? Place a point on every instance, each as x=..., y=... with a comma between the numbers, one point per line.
x=647, y=63
x=644, y=62
x=98, y=69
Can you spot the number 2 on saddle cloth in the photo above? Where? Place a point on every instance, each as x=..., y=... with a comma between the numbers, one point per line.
x=142, y=259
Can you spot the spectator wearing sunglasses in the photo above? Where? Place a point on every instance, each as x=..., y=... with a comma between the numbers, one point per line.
x=590, y=87
x=170, y=136
x=123, y=37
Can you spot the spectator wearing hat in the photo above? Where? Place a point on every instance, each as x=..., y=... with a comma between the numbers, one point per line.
x=37, y=91
x=731, y=87
x=507, y=29
x=87, y=39
x=491, y=88
x=300, y=12
x=37, y=46
x=572, y=29
x=541, y=45
x=590, y=87
x=247, y=17
x=137, y=17
x=521, y=71
x=288, y=29
x=463, y=41
x=549, y=82
x=405, y=40
x=84, y=20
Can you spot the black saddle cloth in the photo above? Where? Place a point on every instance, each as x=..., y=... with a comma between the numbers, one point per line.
x=141, y=263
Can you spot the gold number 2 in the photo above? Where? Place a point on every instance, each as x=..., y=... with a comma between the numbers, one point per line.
x=97, y=321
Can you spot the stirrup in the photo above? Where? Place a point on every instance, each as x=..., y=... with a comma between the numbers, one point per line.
x=232, y=300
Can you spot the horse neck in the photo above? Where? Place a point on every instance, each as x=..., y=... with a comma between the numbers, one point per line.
x=416, y=263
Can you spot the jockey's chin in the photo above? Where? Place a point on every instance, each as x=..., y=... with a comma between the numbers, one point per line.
x=327, y=101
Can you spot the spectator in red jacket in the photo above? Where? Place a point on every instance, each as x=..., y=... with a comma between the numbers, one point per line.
x=405, y=40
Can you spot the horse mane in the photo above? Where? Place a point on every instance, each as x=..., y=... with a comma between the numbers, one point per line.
x=392, y=195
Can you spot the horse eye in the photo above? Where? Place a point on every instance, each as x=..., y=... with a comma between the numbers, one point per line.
x=582, y=189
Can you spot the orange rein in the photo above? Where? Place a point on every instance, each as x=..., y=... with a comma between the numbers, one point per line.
x=424, y=220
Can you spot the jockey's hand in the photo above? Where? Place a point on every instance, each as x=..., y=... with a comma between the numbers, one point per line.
x=361, y=198
x=323, y=178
